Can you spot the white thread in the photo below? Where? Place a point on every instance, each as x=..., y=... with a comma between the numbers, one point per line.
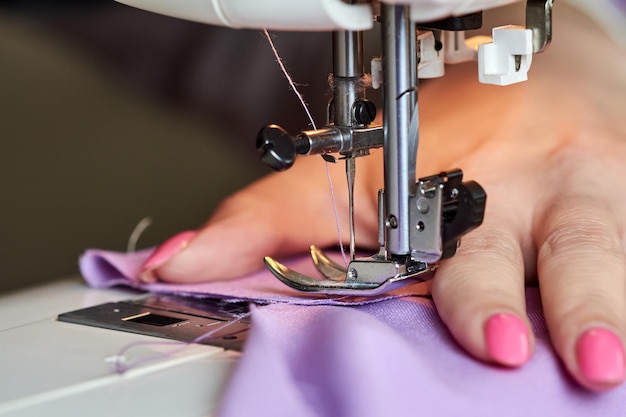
x=292, y=84
x=332, y=197
x=289, y=78
x=136, y=234
x=121, y=367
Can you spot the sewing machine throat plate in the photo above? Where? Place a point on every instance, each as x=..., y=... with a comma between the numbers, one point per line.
x=185, y=319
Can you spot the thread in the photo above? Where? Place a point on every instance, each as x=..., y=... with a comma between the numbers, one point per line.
x=136, y=234
x=334, y=202
x=289, y=78
x=121, y=367
x=305, y=106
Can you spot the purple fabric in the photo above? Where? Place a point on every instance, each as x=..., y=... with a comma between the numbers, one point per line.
x=103, y=269
x=316, y=356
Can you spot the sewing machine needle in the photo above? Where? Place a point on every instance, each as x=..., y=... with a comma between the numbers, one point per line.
x=350, y=176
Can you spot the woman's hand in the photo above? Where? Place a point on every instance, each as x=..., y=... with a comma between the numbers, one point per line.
x=551, y=154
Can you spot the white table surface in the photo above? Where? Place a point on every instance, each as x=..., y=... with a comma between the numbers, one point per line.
x=49, y=368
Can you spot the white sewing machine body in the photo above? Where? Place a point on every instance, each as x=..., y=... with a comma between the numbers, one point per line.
x=51, y=368
x=304, y=15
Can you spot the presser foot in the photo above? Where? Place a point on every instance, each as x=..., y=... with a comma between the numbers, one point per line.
x=443, y=209
x=363, y=276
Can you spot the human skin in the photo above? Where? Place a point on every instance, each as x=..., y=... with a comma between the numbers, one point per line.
x=551, y=154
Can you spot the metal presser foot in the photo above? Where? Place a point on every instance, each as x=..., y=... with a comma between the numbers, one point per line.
x=442, y=198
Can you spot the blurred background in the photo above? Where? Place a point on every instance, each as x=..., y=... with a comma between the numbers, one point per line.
x=110, y=114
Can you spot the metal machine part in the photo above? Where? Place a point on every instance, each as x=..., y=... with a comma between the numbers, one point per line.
x=420, y=223
x=539, y=20
x=186, y=319
x=441, y=198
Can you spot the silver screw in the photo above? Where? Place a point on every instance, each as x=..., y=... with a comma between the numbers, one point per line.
x=392, y=222
x=353, y=274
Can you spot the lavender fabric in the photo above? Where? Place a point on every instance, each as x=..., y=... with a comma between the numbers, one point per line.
x=103, y=269
x=391, y=355
x=621, y=4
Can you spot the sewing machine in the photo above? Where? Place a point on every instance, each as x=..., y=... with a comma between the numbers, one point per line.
x=420, y=221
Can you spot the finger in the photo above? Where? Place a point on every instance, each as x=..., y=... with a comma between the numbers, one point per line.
x=280, y=215
x=582, y=276
x=479, y=294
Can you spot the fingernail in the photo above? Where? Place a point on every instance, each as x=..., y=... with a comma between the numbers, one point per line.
x=163, y=253
x=600, y=356
x=507, y=339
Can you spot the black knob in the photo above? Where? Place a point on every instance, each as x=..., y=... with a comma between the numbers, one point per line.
x=463, y=210
x=276, y=147
x=364, y=111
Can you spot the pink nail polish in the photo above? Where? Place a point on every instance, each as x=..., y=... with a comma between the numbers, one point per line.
x=167, y=250
x=600, y=356
x=507, y=339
